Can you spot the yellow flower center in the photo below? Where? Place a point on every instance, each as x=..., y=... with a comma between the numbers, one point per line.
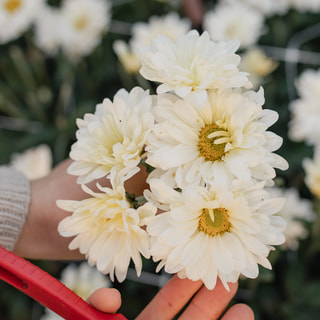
x=214, y=221
x=212, y=142
x=81, y=23
x=12, y=5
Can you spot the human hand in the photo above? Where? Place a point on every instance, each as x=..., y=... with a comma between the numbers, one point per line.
x=174, y=296
x=39, y=238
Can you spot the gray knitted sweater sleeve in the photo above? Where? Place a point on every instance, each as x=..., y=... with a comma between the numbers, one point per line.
x=14, y=204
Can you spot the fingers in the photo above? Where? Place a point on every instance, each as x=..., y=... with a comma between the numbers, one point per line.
x=210, y=304
x=239, y=312
x=170, y=299
x=105, y=300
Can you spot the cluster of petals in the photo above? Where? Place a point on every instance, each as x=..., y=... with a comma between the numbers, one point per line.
x=170, y=25
x=107, y=229
x=76, y=27
x=234, y=21
x=173, y=144
x=16, y=17
x=182, y=247
x=191, y=65
x=304, y=124
x=114, y=136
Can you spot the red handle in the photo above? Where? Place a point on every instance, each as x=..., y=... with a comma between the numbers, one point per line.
x=47, y=290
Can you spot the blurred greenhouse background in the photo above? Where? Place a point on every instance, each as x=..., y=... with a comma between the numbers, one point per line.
x=50, y=75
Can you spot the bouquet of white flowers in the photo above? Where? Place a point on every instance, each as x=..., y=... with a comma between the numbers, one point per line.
x=204, y=138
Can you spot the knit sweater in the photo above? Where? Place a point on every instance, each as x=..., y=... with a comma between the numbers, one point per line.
x=14, y=204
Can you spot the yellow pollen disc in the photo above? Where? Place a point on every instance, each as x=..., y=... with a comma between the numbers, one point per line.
x=81, y=23
x=214, y=221
x=208, y=149
x=12, y=5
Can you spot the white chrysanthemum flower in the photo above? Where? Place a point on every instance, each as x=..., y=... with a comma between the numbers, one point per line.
x=267, y=7
x=34, y=163
x=306, y=5
x=114, y=136
x=48, y=30
x=312, y=173
x=191, y=65
x=129, y=60
x=16, y=17
x=304, y=125
x=81, y=279
x=170, y=25
x=107, y=229
x=234, y=21
x=296, y=211
x=258, y=65
x=210, y=232
x=83, y=22
x=225, y=140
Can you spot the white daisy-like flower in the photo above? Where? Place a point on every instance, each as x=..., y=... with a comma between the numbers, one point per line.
x=215, y=232
x=225, y=140
x=234, y=21
x=267, y=7
x=191, y=65
x=107, y=229
x=114, y=136
x=83, y=22
x=305, y=110
x=34, y=163
x=170, y=25
x=16, y=17
x=297, y=212
x=81, y=279
x=258, y=65
x=48, y=30
x=312, y=173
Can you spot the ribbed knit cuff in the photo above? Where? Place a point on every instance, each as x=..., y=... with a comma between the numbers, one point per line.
x=14, y=204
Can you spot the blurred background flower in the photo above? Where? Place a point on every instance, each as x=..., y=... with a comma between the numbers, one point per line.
x=59, y=58
x=82, y=280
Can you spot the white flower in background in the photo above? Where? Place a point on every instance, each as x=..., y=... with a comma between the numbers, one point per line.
x=306, y=5
x=312, y=173
x=296, y=211
x=81, y=279
x=234, y=21
x=191, y=65
x=48, y=30
x=225, y=140
x=16, y=17
x=83, y=23
x=170, y=25
x=114, y=136
x=305, y=110
x=210, y=232
x=267, y=7
x=34, y=163
x=130, y=61
x=257, y=64
x=107, y=229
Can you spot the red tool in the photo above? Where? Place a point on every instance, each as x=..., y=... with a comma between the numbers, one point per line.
x=47, y=290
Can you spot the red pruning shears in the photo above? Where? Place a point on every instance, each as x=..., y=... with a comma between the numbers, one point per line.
x=47, y=290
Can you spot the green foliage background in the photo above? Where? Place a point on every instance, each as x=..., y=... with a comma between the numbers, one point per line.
x=41, y=97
